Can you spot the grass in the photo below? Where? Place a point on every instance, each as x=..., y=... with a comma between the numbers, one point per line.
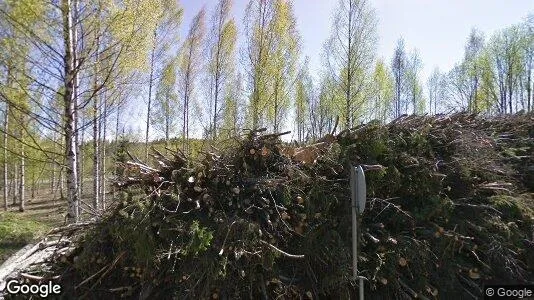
x=19, y=229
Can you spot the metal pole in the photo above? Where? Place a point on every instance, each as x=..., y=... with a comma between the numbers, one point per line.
x=354, y=239
x=360, y=277
x=358, y=193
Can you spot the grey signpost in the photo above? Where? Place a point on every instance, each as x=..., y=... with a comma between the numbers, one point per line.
x=358, y=197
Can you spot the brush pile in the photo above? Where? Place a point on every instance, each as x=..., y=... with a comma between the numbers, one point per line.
x=451, y=209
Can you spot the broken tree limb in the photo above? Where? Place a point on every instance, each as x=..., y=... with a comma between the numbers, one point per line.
x=281, y=251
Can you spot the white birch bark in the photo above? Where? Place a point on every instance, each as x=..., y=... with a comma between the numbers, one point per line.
x=22, y=183
x=70, y=113
x=6, y=184
x=103, y=155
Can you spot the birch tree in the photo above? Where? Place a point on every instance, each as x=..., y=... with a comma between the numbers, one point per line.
x=473, y=50
x=282, y=64
x=488, y=91
x=5, y=115
x=14, y=90
x=5, y=130
x=69, y=102
x=164, y=28
x=528, y=61
x=189, y=67
x=351, y=52
x=166, y=102
x=255, y=56
x=505, y=52
x=398, y=67
x=414, y=90
x=324, y=108
x=436, y=90
x=381, y=93
x=234, y=108
x=221, y=59
x=96, y=114
x=58, y=64
x=303, y=99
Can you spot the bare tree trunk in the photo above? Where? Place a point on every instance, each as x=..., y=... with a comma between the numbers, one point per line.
x=15, y=185
x=34, y=186
x=81, y=162
x=117, y=126
x=275, y=127
x=77, y=143
x=103, y=155
x=6, y=124
x=99, y=159
x=217, y=71
x=184, y=130
x=150, y=83
x=187, y=92
x=70, y=114
x=167, y=123
x=11, y=183
x=510, y=88
x=116, y=147
x=96, y=146
x=349, y=71
x=475, y=104
x=97, y=129
x=96, y=156
x=54, y=179
x=529, y=89
x=61, y=183
x=79, y=155
x=22, y=183
x=510, y=98
x=185, y=134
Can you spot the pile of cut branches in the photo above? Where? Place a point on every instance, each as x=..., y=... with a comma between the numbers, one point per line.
x=451, y=209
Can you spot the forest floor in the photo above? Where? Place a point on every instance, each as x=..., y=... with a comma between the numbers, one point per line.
x=19, y=229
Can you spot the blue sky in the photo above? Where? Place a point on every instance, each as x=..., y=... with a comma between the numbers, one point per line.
x=437, y=28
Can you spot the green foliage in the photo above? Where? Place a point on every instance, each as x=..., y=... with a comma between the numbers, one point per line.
x=513, y=208
x=282, y=61
x=274, y=46
x=200, y=239
x=121, y=155
x=303, y=103
x=350, y=53
x=221, y=69
x=414, y=89
x=382, y=92
x=435, y=208
x=135, y=20
x=166, y=106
